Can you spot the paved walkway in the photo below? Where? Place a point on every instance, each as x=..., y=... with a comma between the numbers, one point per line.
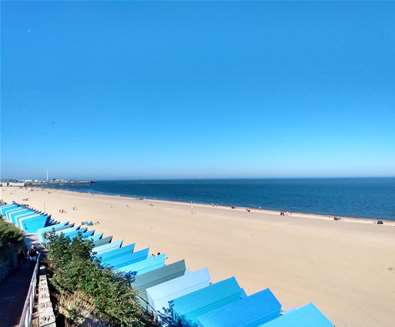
x=13, y=290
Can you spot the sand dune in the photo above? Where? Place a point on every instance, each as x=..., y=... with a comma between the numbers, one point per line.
x=346, y=267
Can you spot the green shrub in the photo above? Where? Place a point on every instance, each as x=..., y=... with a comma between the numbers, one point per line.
x=86, y=290
x=11, y=244
x=9, y=234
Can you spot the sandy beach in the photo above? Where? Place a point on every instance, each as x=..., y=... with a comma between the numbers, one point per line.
x=345, y=267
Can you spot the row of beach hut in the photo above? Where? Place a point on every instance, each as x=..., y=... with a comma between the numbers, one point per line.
x=170, y=291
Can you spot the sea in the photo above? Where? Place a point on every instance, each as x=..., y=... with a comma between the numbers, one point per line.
x=352, y=197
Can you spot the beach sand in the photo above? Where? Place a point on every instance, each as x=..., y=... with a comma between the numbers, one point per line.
x=346, y=267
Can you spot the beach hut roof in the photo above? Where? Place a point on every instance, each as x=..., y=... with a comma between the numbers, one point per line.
x=32, y=224
x=10, y=213
x=159, y=275
x=252, y=310
x=75, y=233
x=41, y=232
x=149, y=264
x=8, y=208
x=4, y=208
x=53, y=227
x=107, y=247
x=127, y=249
x=66, y=230
x=188, y=307
x=88, y=233
x=102, y=241
x=8, y=205
x=159, y=295
x=306, y=316
x=22, y=212
x=17, y=220
x=127, y=259
x=96, y=236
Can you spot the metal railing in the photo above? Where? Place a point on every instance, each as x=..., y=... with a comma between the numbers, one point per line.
x=26, y=317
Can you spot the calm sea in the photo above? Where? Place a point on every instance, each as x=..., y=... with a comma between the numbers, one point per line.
x=355, y=197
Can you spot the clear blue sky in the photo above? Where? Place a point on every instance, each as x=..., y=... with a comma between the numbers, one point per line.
x=205, y=89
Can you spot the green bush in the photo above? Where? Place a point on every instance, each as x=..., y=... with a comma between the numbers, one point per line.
x=9, y=234
x=86, y=290
x=11, y=244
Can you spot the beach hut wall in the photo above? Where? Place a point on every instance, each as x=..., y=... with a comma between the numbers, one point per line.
x=306, y=316
x=159, y=296
x=188, y=308
x=124, y=250
x=250, y=311
x=102, y=241
x=128, y=259
x=98, y=250
x=141, y=267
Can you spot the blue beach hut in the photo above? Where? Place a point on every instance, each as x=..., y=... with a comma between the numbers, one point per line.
x=88, y=233
x=41, y=232
x=12, y=212
x=144, y=266
x=5, y=207
x=159, y=296
x=19, y=218
x=127, y=259
x=33, y=223
x=250, y=311
x=14, y=216
x=75, y=233
x=102, y=241
x=98, y=250
x=125, y=250
x=155, y=277
x=67, y=230
x=11, y=209
x=95, y=237
x=306, y=316
x=188, y=308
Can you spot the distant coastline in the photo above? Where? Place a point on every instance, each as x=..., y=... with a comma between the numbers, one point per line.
x=231, y=208
x=372, y=199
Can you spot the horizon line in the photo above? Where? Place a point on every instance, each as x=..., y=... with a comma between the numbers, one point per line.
x=201, y=178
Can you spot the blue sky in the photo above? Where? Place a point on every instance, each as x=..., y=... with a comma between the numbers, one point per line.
x=198, y=89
